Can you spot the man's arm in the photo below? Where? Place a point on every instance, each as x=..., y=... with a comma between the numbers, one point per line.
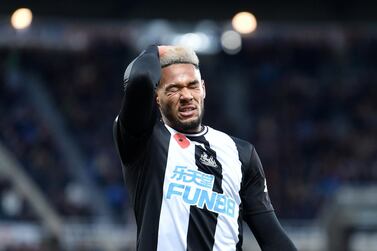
x=137, y=115
x=269, y=233
x=258, y=211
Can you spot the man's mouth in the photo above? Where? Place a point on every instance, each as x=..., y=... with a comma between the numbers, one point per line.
x=187, y=111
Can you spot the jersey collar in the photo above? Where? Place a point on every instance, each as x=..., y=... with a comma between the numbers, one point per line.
x=203, y=131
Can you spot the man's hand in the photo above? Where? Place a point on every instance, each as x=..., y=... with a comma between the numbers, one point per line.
x=162, y=49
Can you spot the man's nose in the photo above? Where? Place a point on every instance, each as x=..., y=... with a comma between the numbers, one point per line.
x=186, y=94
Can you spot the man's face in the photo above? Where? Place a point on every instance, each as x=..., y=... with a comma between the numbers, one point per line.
x=180, y=97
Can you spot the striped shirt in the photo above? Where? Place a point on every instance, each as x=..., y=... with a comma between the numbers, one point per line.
x=189, y=191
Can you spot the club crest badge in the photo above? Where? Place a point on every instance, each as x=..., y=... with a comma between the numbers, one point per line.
x=208, y=160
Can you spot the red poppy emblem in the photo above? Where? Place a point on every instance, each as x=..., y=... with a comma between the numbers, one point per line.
x=182, y=141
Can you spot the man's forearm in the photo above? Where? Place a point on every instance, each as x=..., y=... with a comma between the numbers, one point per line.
x=269, y=233
x=137, y=114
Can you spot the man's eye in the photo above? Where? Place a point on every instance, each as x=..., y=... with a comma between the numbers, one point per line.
x=194, y=86
x=173, y=89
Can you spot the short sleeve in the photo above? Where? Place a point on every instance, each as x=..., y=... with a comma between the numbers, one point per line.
x=254, y=193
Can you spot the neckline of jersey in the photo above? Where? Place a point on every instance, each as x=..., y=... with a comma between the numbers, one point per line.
x=201, y=133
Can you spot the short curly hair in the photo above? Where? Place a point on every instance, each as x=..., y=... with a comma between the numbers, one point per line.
x=179, y=55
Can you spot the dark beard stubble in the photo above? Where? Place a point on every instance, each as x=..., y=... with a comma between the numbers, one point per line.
x=182, y=126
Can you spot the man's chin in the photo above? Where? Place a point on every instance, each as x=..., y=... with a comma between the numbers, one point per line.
x=188, y=120
x=183, y=124
x=188, y=125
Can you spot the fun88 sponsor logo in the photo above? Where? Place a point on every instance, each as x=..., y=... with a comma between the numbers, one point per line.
x=195, y=188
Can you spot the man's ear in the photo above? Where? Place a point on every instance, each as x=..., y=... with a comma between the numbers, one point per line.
x=204, y=89
x=157, y=99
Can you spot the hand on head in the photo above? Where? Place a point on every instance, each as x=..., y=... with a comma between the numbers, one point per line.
x=162, y=49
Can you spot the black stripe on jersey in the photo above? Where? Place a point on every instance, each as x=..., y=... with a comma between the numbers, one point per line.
x=244, y=158
x=202, y=223
x=240, y=230
x=149, y=192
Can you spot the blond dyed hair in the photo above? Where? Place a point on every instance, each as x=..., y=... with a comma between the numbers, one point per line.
x=179, y=55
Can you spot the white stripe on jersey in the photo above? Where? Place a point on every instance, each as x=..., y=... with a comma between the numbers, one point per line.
x=226, y=235
x=175, y=212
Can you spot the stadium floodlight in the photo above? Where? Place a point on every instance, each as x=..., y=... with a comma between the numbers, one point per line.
x=21, y=18
x=231, y=42
x=198, y=41
x=244, y=22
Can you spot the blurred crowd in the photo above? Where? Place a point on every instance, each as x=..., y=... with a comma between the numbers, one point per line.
x=308, y=105
x=28, y=138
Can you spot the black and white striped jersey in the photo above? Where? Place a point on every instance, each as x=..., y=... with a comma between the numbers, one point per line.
x=188, y=191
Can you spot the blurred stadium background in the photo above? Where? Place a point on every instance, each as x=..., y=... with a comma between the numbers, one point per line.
x=302, y=87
